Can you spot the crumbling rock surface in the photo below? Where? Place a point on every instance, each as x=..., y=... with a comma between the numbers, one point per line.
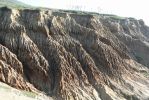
x=71, y=56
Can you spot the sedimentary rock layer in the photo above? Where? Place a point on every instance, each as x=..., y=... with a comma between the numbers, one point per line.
x=72, y=56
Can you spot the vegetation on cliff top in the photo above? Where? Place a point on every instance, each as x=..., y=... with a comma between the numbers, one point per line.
x=19, y=5
x=13, y=4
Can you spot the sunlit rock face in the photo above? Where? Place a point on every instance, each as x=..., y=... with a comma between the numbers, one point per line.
x=74, y=56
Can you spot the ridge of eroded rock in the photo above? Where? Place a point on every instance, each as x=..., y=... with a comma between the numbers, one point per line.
x=74, y=56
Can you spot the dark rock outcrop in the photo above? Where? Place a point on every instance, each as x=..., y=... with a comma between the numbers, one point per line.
x=72, y=56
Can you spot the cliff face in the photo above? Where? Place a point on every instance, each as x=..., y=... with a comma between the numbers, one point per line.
x=72, y=56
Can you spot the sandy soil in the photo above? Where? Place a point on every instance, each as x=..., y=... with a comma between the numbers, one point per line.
x=9, y=93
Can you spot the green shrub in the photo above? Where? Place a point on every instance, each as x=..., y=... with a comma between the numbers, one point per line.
x=29, y=94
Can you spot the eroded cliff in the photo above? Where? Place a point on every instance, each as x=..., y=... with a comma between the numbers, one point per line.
x=72, y=56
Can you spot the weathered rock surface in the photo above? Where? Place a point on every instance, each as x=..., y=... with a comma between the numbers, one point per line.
x=72, y=56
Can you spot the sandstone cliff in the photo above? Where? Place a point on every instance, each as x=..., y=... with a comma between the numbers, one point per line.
x=71, y=56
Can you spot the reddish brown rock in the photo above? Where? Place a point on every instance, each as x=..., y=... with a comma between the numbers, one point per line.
x=72, y=56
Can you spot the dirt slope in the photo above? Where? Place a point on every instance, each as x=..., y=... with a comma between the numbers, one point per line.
x=72, y=56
